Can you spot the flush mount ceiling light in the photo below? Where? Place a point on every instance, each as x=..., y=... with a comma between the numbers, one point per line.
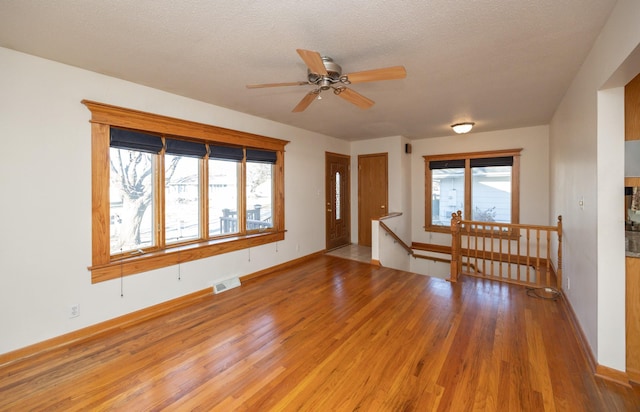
x=461, y=128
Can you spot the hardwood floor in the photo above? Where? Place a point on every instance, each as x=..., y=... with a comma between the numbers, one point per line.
x=330, y=335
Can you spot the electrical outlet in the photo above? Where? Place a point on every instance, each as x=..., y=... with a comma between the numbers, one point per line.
x=74, y=311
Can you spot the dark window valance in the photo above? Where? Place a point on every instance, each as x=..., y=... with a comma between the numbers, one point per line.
x=134, y=140
x=185, y=148
x=446, y=164
x=261, y=156
x=225, y=153
x=492, y=161
x=477, y=162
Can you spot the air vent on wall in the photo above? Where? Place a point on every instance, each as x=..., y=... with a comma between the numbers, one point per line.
x=226, y=285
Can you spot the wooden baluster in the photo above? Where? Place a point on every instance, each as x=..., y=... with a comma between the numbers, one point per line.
x=459, y=218
x=469, y=235
x=548, y=258
x=493, y=272
x=537, y=271
x=464, y=259
x=487, y=253
x=559, y=271
x=475, y=240
x=528, y=253
x=484, y=249
x=509, y=251
x=501, y=237
x=467, y=254
x=455, y=247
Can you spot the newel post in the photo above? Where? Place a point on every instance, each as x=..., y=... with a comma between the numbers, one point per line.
x=559, y=271
x=456, y=258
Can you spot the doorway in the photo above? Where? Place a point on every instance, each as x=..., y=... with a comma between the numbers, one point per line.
x=372, y=193
x=338, y=195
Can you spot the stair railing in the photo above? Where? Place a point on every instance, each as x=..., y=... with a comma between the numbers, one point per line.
x=513, y=253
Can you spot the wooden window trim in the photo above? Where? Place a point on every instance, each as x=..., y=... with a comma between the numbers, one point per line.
x=104, y=265
x=515, y=183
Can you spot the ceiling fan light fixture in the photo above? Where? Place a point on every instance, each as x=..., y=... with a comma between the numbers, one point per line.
x=462, y=128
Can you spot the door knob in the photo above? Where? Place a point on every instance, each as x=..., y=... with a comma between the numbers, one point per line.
x=382, y=207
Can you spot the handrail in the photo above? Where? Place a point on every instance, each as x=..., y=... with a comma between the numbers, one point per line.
x=408, y=248
x=390, y=215
x=396, y=238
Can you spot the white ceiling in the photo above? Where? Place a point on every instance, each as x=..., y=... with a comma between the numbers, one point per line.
x=500, y=63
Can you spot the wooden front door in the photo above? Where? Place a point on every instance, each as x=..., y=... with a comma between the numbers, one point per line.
x=338, y=210
x=372, y=193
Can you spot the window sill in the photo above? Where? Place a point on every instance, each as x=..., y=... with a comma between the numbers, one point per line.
x=184, y=253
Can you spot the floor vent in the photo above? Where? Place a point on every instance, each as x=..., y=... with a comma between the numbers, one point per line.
x=226, y=285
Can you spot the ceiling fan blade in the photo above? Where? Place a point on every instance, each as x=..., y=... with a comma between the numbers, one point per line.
x=388, y=73
x=259, y=86
x=313, y=60
x=306, y=101
x=355, y=98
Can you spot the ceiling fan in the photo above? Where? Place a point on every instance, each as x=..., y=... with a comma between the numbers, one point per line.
x=326, y=74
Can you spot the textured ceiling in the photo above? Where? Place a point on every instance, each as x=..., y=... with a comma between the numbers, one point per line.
x=500, y=63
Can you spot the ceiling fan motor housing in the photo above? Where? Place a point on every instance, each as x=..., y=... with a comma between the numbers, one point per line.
x=334, y=72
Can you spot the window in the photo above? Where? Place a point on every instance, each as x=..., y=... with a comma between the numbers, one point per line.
x=259, y=189
x=174, y=191
x=338, y=199
x=223, y=196
x=484, y=186
x=182, y=189
x=132, y=162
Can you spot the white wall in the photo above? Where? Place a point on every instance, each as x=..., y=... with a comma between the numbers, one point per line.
x=46, y=200
x=385, y=249
x=587, y=162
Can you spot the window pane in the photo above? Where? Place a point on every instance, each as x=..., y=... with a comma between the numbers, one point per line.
x=130, y=198
x=491, y=194
x=182, y=198
x=223, y=197
x=259, y=195
x=338, y=201
x=447, y=194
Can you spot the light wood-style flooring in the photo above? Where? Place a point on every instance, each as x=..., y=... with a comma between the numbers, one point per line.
x=329, y=335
